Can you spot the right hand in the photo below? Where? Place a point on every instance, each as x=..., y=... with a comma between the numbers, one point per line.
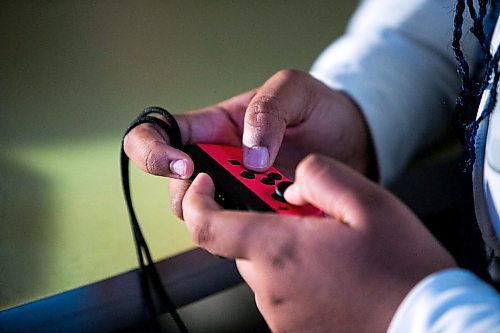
x=292, y=114
x=345, y=272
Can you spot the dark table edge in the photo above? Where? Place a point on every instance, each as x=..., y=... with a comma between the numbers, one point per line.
x=115, y=304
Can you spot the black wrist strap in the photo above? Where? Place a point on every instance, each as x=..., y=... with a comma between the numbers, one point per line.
x=168, y=124
x=149, y=276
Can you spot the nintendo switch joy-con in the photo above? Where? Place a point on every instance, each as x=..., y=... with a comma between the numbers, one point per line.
x=239, y=188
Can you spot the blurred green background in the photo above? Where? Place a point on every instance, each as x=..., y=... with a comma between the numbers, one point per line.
x=73, y=74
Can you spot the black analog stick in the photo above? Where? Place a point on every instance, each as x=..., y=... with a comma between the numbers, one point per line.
x=281, y=187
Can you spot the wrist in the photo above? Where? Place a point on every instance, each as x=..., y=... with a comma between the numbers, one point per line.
x=362, y=156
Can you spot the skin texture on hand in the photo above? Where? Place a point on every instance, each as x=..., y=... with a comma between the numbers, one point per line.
x=290, y=116
x=346, y=272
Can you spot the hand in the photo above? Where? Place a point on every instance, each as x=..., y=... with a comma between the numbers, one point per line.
x=347, y=272
x=289, y=116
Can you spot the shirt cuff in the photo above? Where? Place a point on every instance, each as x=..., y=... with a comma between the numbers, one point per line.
x=453, y=300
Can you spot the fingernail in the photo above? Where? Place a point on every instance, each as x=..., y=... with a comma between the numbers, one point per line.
x=178, y=167
x=257, y=157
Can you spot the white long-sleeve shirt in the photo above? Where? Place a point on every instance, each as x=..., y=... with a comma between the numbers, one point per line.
x=449, y=301
x=397, y=63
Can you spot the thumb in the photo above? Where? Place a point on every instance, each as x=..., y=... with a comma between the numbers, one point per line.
x=281, y=102
x=336, y=189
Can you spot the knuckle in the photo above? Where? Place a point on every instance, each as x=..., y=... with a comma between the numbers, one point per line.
x=201, y=232
x=311, y=165
x=205, y=236
x=311, y=172
x=282, y=251
x=289, y=74
x=276, y=300
x=264, y=111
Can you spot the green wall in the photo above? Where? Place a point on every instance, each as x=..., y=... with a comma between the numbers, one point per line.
x=73, y=74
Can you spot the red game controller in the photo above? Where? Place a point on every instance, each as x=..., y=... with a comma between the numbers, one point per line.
x=239, y=188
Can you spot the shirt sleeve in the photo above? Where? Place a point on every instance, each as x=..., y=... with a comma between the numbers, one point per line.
x=449, y=301
x=396, y=61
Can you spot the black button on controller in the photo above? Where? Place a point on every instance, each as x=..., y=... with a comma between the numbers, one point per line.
x=234, y=162
x=247, y=174
x=254, y=172
x=274, y=176
x=267, y=181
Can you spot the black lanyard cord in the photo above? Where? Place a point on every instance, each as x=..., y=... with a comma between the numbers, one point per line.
x=148, y=273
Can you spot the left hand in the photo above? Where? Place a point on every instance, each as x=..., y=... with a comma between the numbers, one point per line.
x=347, y=272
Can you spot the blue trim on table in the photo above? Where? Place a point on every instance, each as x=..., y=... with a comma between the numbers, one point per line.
x=115, y=304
